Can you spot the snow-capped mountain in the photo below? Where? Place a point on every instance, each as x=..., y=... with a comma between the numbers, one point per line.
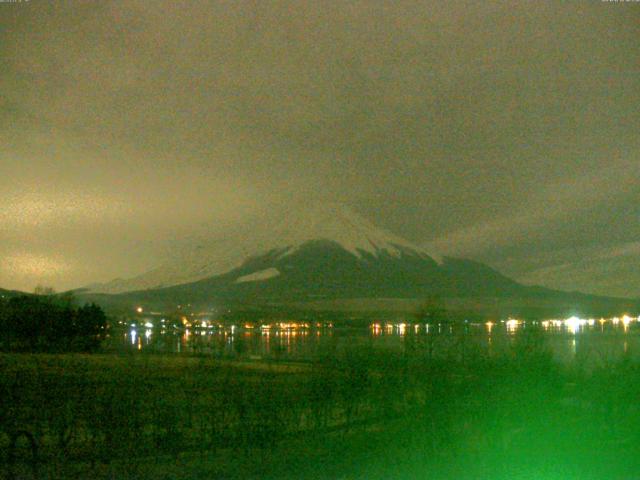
x=326, y=254
x=280, y=238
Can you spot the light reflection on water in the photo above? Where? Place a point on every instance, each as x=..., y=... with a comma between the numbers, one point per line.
x=567, y=339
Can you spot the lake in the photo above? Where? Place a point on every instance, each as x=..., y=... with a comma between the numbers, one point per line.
x=589, y=340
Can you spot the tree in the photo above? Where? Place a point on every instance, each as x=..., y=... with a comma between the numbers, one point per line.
x=43, y=291
x=91, y=327
x=51, y=323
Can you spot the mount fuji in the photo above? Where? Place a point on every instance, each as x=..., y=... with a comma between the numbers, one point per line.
x=324, y=252
x=275, y=243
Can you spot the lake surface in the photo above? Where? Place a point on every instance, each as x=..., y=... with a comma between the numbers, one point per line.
x=587, y=340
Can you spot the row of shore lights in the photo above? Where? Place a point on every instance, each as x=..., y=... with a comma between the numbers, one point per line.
x=572, y=324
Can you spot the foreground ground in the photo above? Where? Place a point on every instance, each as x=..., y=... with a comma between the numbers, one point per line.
x=357, y=413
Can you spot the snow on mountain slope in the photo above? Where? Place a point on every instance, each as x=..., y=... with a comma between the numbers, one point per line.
x=259, y=276
x=339, y=224
x=209, y=257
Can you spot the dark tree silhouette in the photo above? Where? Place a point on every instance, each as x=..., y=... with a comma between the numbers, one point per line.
x=49, y=323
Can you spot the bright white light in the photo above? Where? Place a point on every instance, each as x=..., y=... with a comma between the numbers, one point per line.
x=139, y=310
x=574, y=323
x=148, y=325
x=512, y=324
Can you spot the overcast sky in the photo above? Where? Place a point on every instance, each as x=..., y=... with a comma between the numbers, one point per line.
x=505, y=132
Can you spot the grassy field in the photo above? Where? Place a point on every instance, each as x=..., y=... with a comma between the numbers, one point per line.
x=361, y=413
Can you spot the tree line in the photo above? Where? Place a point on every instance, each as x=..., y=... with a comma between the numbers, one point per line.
x=47, y=322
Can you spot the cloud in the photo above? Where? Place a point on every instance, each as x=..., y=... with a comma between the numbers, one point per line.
x=33, y=264
x=609, y=272
x=544, y=212
x=501, y=131
x=36, y=209
x=27, y=269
